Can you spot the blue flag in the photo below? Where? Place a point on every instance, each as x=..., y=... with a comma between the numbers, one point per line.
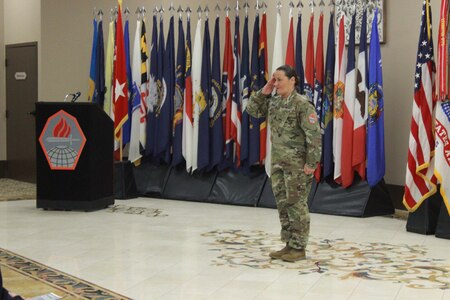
x=204, y=102
x=127, y=125
x=299, y=58
x=159, y=89
x=177, y=143
x=245, y=94
x=234, y=147
x=100, y=88
x=165, y=117
x=153, y=92
x=327, y=104
x=93, y=62
x=216, y=131
x=253, y=155
x=375, y=122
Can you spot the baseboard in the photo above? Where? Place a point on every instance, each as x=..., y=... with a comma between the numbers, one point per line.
x=396, y=192
x=3, y=168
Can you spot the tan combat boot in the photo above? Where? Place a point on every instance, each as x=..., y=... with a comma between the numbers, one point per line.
x=278, y=254
x=294, y=255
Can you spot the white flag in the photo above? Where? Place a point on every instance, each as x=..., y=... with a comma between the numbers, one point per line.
x=196, y=89
x=442, y=150
x=339, y=91
x=277, y=61
x=134, y=152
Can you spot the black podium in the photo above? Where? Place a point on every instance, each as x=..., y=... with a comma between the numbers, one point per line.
x=74, y=156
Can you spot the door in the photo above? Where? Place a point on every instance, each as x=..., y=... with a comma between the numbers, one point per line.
x=21, y=94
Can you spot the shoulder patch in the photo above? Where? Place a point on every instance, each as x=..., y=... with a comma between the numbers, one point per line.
x=312, y=118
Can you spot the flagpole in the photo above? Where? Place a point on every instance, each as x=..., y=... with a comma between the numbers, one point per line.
x=121, y=144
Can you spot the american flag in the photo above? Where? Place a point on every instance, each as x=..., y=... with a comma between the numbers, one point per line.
x=420, y=181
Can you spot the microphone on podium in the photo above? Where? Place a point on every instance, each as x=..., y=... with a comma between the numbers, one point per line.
x=74, y=97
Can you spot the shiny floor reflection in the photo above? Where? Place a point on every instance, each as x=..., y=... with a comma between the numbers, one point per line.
x=164, y=249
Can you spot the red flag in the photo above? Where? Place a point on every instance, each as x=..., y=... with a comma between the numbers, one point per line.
x=309, y=65
x=120, y=88
x=318, y=89
x=290, y=60
x=227, y=80
x=361, y=104
x=188, y=113
x=339, y=90
x=263, y=51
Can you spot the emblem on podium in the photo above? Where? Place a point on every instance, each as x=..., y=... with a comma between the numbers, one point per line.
x=62, y=141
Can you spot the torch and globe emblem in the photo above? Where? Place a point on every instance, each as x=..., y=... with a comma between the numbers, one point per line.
x=62, y=141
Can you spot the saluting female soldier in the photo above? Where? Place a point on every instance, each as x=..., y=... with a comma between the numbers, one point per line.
x=296, y=151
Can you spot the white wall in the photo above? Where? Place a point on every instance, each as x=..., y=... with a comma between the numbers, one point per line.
x=21, y=24
x=2, y=87
x=22, y=21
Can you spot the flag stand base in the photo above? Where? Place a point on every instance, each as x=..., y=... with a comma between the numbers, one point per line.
x=443, y=223
x=151, y=178
x=184, y=186
x=358, y=200
x=124, y=183
x=235, y=187
x=431, y=217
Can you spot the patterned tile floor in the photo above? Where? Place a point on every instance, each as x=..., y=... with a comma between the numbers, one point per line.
x=164, y=249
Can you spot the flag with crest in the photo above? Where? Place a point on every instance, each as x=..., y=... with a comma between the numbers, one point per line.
x=203, y=102
x=375, y=124
x=177, y=124
x=338, y=101
x=196, y=90
x=327, y=104
x=152, y=99
x=309, y=64
x=216, y=131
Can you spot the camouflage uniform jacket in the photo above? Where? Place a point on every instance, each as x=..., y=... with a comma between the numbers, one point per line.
x=295, y=130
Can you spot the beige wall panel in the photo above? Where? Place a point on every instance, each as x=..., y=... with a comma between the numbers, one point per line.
x=2, y=86
x=21, y=23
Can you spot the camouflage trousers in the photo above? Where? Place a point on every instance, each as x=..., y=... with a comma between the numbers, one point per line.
x=291, y=189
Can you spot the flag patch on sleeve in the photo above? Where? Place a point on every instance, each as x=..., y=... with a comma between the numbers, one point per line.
x=312, y=118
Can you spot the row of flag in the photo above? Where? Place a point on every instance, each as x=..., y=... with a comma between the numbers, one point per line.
x=429, y=140
x=184, y=107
